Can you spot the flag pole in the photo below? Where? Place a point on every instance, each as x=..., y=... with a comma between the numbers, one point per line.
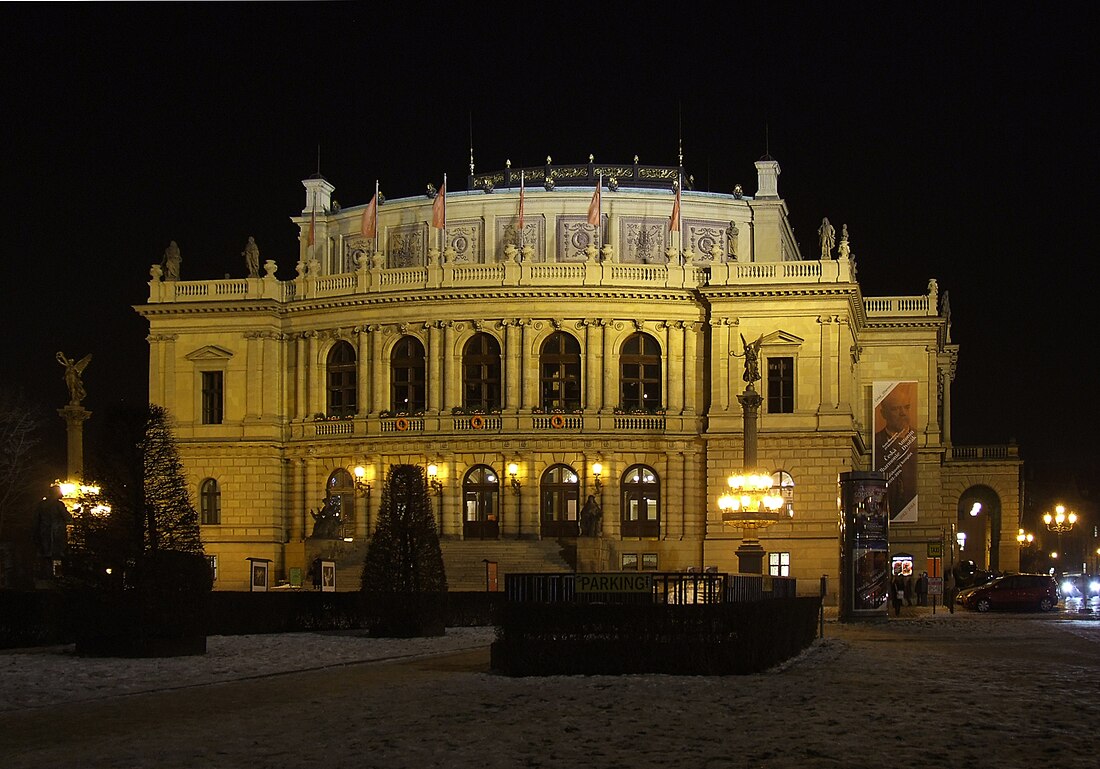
x=599, y=213
x=519, y=229
x=443, y=234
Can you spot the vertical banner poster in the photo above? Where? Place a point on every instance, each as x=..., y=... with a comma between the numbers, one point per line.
x=895, y=446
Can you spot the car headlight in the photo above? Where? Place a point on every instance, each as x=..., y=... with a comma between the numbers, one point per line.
x=1094, y=586
x=1067, y=587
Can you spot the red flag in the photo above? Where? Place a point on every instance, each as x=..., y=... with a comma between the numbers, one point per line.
x=674, y=221
x=439, y=207
x=370, y=217
x=520, y=227
x=594, y=207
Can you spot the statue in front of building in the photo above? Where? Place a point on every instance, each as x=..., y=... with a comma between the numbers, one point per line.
x=251, y=256
x=51, y=525
x=326, y=524
x=591, y=517
x=826, y=235
x=73, y=371
x=171, y=262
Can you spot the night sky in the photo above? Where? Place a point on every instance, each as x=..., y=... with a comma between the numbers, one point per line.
x=955, y=140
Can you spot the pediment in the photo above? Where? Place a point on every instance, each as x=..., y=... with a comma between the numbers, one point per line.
x=209, y=352
x=781, y=338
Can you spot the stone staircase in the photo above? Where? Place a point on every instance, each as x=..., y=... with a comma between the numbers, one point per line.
x=465, y=560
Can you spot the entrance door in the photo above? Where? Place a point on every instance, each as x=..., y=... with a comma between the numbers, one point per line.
x=481, y=503
x=559, y=502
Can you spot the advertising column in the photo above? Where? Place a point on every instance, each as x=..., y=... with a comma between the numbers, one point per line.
x=864, y=547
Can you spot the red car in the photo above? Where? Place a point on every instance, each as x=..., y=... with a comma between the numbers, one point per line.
x=1012, y=591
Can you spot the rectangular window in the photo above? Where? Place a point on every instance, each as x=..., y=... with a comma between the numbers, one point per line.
x=212, y=560
x=780, y=385
x=779, y=564
x=212, y=398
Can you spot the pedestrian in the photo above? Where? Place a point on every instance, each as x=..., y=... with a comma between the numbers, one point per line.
x=922, y=589
x=909, y=590
x=897, y=592
x=950, y=590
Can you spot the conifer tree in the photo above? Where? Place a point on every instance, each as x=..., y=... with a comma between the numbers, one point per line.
x=404, y=555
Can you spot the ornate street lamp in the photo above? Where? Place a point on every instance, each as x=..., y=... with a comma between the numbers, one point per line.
x=752, y=502
x=1061, y=521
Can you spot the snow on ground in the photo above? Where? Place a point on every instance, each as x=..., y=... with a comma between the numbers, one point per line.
x=1012, y=691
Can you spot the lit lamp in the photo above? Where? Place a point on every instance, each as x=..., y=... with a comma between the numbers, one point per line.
x=597, y=484
x=433, y=480
x=1025, y=538
x=1061, y=521
x=362, y=485
x=513, y=479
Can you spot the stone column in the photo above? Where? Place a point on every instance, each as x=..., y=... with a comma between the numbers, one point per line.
x=692, y=382
x=362, y=371
x=253, y=379
x=720, y=364
x=452, y=367
x=827, y=398
x=75, y=416
x=300, y=377
x=512, y=354
x=380, y=372
x=674, y=357
x=529, y=366
x=434, y=359
x=750, y=554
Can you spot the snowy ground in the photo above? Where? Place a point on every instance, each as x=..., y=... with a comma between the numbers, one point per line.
x=962, y=690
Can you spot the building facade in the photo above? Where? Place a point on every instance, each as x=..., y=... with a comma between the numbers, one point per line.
x=572, y=388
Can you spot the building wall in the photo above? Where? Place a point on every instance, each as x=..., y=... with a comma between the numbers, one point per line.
x=277, y=445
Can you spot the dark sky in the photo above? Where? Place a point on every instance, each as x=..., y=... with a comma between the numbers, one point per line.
x=955, y=140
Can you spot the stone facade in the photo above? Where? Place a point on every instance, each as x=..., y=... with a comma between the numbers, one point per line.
x=248, y=368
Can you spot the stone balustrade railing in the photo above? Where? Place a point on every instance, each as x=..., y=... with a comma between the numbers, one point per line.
x=591, y=274
x=987, y=453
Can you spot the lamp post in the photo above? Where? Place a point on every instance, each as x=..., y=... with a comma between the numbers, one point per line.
x=1025, y=539
x=750, y=503
x=436, y=489
x=1060, y=522
x=513, y=481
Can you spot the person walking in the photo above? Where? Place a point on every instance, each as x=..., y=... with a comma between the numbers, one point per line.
x=897, y=592
x=950, y=590
x=922, y=589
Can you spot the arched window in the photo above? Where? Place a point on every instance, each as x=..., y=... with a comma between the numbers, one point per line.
x=560, y=501
x=641, y=508
x=481, y=503
x=407, y=367
x=340, y=500
x=783, y=485
x=640, y=373
x=342, y=377
x=210, y=502
x=560, y=372
x=481, y=373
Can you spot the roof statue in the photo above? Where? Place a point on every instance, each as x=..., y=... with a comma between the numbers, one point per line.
x=826, y=235
x=251, y=256
x=171, y=262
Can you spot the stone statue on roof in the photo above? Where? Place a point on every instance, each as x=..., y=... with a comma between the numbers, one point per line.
x=251, y=256
x=171, y=262
x=826, y=236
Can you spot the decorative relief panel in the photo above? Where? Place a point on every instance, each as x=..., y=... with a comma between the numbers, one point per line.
x=701, y=235
x=356, y=250
x=575, y=234
x=466, y=237
x=534, y=235
x=643, y=240
x=405, y=245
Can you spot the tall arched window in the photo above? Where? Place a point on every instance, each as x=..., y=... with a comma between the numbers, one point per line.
x=340, y=500
x=641, y=508
x=342, y=377
x=407, y=369
x=210, y=502
x=481, y=503
x=481, y=373
x=560, y=372
x=640, y=373
x=559, y=492
x=783, y=485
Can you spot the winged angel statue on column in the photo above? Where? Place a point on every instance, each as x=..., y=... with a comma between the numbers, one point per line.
x=73, y=370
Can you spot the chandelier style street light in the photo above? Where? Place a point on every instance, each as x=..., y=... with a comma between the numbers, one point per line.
x=1061, y=521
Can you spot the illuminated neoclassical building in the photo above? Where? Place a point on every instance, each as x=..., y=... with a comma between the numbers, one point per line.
x=532, y=367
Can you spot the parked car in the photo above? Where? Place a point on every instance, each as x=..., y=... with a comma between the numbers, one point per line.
x=1012, y=591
